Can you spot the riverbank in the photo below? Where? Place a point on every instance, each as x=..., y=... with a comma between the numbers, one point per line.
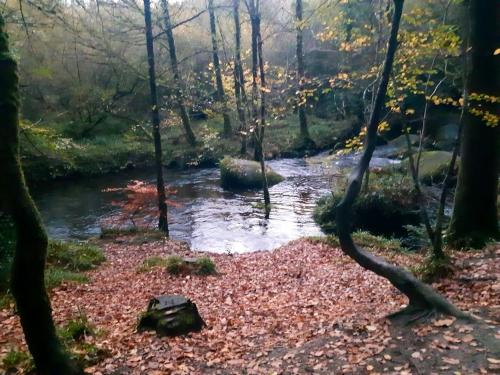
x=302, y=308
x=48, y=155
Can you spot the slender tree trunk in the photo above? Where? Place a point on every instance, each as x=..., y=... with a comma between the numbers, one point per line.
x=179, y=97
x=155, y=120
x=239, y=83
x=27, y=278
x=301, y=98
x=255, y=22
x=438, y=238
x=221, y=96
x=261, y=129
x=422, y=298
x=253, y=7
x=436, y=253
x=474, y=218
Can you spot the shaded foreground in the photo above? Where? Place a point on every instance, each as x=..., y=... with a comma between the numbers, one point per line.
x=303, y=308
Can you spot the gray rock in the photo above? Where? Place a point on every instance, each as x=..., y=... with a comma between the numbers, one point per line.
x=171, y=315
x=240, y=173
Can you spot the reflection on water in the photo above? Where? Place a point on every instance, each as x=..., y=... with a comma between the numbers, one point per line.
x=208, y=218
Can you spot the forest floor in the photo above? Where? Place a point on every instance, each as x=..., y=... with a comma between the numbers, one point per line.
x=303, y=308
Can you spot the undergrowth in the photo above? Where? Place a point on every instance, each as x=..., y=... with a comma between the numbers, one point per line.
x=75, y=336
x=367, y=240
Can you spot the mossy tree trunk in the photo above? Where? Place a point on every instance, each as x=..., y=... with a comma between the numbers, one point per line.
x=239, y=78
x=474, y=218
x=422, y=298
x=179, y=96
x=155, y=119
x=301, y=98
x=28, y=267
x=221, y=95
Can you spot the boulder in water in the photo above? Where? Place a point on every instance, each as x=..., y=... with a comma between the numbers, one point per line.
x=433, y=166
x=240, y=173
x=398, y=147
x=171, y=315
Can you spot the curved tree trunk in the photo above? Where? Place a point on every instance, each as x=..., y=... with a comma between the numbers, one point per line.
x=474, y=218
x=239, y=79
x=28, y=268
x=155, y=119
x=186, y=122
x=221, y=96
x=422, y=298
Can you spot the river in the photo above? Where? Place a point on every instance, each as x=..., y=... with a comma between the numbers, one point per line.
x=206, y=216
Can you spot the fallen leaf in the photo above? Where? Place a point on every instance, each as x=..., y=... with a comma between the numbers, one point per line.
x=444, y=322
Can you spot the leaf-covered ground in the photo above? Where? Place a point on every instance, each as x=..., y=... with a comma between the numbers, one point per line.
x=303, y=308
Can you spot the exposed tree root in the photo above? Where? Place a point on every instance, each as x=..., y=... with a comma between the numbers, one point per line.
x=412, y=314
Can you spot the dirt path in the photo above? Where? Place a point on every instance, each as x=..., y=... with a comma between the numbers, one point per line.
x=303, y=308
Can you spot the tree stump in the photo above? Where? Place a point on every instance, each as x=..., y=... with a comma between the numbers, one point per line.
x=171, y=315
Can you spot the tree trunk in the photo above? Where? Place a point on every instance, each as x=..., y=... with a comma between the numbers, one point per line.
x=422, y=298
x=474, y=218
x=262, y=128
x=438, y=238
x=221, y=97
x=253, y=7
x=155, y=119
x=301, y=98
x=179, y=97
x=255, y=22
x=239, y=79
x=27, y=278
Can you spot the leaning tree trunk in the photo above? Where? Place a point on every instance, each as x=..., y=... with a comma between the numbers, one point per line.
x=301, y=98
x=239, y=80
x=179, y=97
x=27, y=278
x=474, y=218
x=221, y=96
x=422, y=298
x=155, y=119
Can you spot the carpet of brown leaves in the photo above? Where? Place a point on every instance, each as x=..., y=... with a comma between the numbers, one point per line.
x=303, y=308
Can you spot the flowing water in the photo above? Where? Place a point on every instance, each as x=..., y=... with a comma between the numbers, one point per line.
x=208, y=217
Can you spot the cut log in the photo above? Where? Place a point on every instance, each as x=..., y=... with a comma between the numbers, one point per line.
x=171, y=315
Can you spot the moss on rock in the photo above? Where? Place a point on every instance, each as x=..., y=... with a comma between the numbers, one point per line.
x=389, y=206
x=240, y=173
x=171, y=316
x=433, y=166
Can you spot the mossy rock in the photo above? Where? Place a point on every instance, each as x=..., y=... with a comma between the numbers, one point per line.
x=171, y=315
x=240, y=173
x=385, y=210
x=177, y=265
x=433, y=166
